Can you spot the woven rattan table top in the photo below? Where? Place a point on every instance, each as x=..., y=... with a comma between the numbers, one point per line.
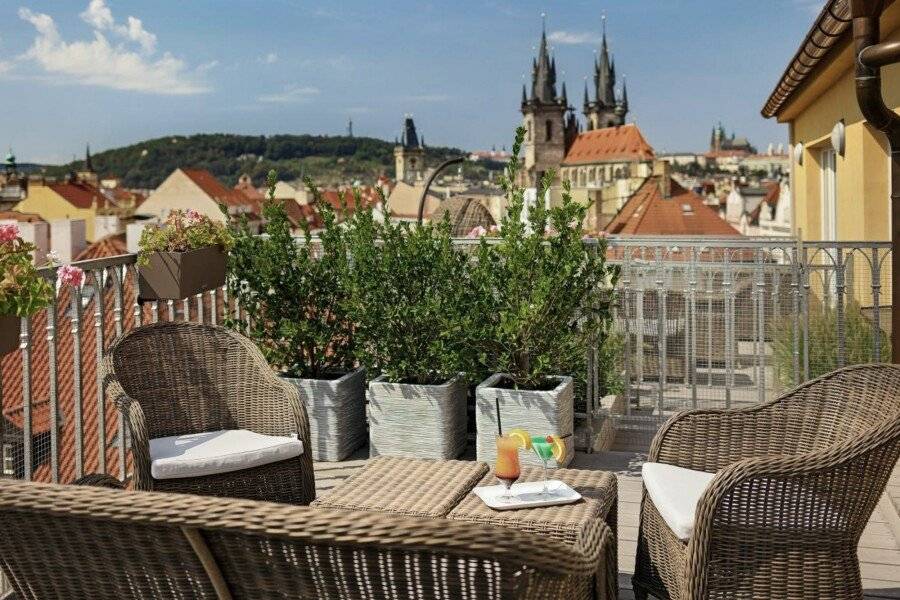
x=598, y=488
x=407, y=486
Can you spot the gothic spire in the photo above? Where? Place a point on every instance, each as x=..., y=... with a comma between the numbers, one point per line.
x=587, y=98
x=543, y=87
x=624, y=101
x=524, y=95
x=565, y=97
x=605, y=75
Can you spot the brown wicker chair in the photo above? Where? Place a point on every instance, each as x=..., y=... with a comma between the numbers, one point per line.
x=182, y=378
x=796, y=481
x=90, y=542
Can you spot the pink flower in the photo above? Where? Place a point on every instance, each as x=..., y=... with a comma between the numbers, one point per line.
x=193, y=217
x=8, y=233
x=69, y=275
x=477, y=232
x=603, y=235
x=493, y=230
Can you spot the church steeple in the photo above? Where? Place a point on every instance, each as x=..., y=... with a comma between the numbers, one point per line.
x=88, y=163
x=606, y=75
x=543, y=87
x=606, y=110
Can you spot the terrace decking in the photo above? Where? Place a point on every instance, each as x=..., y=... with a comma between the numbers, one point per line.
x=879, y=551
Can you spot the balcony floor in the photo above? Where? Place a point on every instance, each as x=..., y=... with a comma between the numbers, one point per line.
x=879, y=551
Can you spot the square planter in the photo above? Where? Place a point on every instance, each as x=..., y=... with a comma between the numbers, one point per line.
x=540, y=412
x=177, y=275
x=337, y=413
x=423, y=421
x=10, y=329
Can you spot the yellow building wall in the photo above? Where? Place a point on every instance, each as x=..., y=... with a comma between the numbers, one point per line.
x=862, y=173
x=51, y=207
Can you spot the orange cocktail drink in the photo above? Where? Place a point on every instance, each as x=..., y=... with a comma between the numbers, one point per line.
x=507, y=467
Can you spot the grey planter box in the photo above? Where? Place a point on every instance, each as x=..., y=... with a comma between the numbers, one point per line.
x=424, y=421
x=10, y=329
x=337, y=413
x=177, y=275
x=547, y=412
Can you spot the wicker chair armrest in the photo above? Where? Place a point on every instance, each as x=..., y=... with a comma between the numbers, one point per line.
x=785, y=490
x=133, y=416
x=101, y=480
x=711, y=439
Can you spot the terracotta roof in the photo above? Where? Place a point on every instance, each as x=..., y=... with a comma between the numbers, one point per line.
x=610, y=144
x=79, y=194
x=21, y=217
x=298, y=214
x=214, y=188
x=111, y=245
x=339, y=198
x=647, y=212
x=249, y=192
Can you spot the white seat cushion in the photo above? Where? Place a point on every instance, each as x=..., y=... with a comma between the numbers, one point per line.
x=215, y=452
x=675, y=492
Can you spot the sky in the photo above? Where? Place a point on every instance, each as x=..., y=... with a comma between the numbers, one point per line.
x=115, y=72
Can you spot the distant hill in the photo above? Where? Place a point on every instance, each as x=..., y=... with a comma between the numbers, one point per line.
x=328, y=160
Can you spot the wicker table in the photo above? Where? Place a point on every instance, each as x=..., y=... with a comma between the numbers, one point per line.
x=566, y=522
x=416, y=487
x=429, y=488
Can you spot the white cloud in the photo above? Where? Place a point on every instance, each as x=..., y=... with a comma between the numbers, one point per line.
x=291, y=95
x=98, y=62
x=99, y=16
x=269, y=59
x=573, y=37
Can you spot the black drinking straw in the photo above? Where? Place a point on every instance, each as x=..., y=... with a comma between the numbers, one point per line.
x=499, y=425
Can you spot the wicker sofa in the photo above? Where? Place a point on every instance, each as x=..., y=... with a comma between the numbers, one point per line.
x=175, y=381
x=107, y=544
x=784, y=490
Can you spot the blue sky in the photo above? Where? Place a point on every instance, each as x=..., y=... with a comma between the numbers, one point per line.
x=113, y=72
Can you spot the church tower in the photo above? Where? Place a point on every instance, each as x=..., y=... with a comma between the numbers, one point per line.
x=409, y=154
x=544, y=118
x=606, y=110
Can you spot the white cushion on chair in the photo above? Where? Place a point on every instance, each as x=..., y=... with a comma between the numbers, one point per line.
x=215, y=452
x=675, y=492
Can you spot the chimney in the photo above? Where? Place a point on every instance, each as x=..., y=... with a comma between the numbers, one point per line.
x=133, y=233
x=105, y=225
x=663, y=171
x=67, y=238
x=37, y=233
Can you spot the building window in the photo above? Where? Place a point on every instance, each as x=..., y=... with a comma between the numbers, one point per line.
x=549, y=130
x=9, y=463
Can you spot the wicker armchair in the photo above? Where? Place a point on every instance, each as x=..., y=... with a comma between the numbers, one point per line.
x=796, y=481
x=184, y=378
x=90, y=542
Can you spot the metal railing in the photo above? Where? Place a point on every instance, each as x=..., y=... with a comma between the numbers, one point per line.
x=700, y=322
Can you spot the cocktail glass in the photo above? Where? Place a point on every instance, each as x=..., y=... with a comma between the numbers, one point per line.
x=507, y=467
x=546, y=447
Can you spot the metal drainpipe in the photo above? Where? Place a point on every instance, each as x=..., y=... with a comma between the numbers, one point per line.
x=871, y=56
x=428, y=183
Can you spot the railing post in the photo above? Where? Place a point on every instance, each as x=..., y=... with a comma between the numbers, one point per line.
x=626, y=293
x=692, y=322
x=795, y=321
x=52, y=374
x=804, y=253
x=760, y=327
x=875, y=266
x=662, y=359
x=25, y=347
x=77, y=390
x=727, y=285
x=98, y=277
x=839, y=308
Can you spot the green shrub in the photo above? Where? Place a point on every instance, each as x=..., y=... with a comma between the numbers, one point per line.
x=409, y=299
x=292, y=295
x=543, y=294
x=859, y=336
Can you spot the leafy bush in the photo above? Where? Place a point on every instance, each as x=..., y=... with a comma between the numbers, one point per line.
x=409, y=299
x=294, y=294
x=23, y=291
x=543, y=294
x=183, y=231
x=859, y=336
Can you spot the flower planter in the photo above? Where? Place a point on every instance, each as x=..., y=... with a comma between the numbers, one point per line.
x=540, y=412
x=10, y=329
x=337, y=413
x=424, y=421
x=177, y=275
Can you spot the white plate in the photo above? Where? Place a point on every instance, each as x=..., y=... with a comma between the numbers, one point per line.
x=527, y=495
